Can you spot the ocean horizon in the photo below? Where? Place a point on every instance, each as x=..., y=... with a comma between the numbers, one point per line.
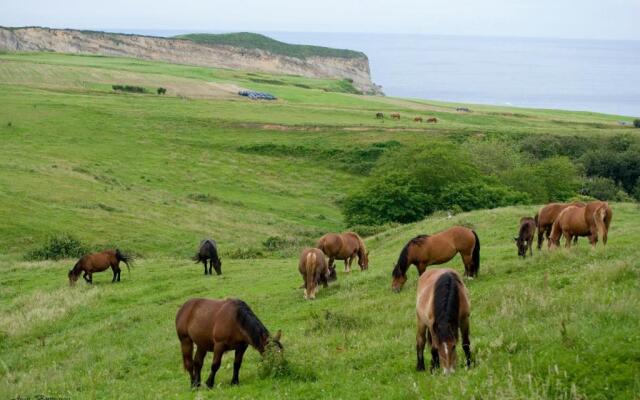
x=569, y=74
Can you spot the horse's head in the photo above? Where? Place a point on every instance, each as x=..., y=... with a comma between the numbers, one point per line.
x=217, y=265
x=331, y=274
x=399, y=278
x=522, y=247
x=363, y=261
x=447, y=354
x=273, y=343
x=73, y=277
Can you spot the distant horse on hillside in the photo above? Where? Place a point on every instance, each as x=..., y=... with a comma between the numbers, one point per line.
x=591, y=220
x=379, y=115
x=425, y=250
x=98, y=262
x=208, y=250
x=314, y=270
x=220, y=326
x=547, y=215
x=526, y=233
x=433, y=120
x=443, y=309
x=417, y=119
x=395, y=115
x=345, y=246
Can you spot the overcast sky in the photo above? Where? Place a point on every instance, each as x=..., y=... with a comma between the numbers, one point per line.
x=602, y=19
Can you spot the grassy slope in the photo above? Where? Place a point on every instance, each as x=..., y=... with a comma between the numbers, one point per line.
x=256, y=41
x=120, y=168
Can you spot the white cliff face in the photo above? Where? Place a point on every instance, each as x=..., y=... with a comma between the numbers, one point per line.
x=182, y=51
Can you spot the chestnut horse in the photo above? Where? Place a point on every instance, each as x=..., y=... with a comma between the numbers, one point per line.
x=208, y=250
x=526, y=233
x=314, y=270
x=432, y=120
x=547, y=215
x=219, y=326
x=442, y=308
x=98, y=262
x=345, y=247
x=417, y=119
x=425, y=250
x=591, y=220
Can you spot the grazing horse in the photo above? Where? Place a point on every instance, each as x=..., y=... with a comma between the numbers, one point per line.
x=345, y=247
x=526, y=233
x=442, y=308
x=425, y=250
x=98, y=262
x=395, y=115
x=379, y=115
x=432, y=120
x=545, y=217
x=208, y=250
x=417, y=119
x=314, y=270
x=591, y=220
x=220, y=326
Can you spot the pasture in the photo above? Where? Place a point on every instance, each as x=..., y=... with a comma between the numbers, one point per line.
x=155, y=174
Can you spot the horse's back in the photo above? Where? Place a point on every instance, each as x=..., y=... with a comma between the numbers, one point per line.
x=96, y=262
x=331, y=244
x=426, y=291
x=461, y=237
x=308, y=254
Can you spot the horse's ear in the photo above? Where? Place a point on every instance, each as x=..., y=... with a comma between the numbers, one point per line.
x=278, y=335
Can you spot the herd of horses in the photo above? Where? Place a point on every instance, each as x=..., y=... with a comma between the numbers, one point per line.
x=431, y=120
x=442, y=299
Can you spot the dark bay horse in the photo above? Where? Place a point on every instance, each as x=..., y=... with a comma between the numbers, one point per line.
x=443, y=309
x=417, y=119
x=425, y=250
x=592, y=220
x=208, y=250
x=526, y=233
x=344, y=246
x=545, y=217
x=220, y=326
x=379, y=115
x=314, y=270
x=98, y=262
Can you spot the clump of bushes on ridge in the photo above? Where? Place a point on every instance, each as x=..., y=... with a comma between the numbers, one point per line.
x=58, y=247
x=128, y=88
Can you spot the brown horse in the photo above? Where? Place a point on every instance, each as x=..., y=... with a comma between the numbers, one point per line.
x=442, y=308
x=417, y=119
x=345, y=246
x=219, y=326
x=432, y=120
x=395, y=115
x=314, y=270
x=574, y=221
x=208, y=250
x=547, y=215
x=526, y=233
x=425, y=250
x=98, y=262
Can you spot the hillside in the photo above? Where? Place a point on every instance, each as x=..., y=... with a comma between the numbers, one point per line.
x=155, y=174
x=236, y=51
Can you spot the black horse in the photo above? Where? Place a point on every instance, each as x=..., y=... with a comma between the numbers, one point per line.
x=209, y=251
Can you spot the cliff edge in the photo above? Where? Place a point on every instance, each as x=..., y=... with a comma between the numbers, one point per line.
x=235, y=51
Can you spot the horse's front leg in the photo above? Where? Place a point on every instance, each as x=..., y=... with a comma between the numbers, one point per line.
x=205, y=266
x=421, y=268
x=466, y=342
x=218, y=350
x=346, y=265
x=211, y=266
x=237, y=363
x=531, y=247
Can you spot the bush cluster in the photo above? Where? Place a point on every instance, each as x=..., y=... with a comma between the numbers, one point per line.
x=57, y=247
x=128, y=88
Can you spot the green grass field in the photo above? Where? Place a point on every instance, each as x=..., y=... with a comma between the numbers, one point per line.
x=155, y=174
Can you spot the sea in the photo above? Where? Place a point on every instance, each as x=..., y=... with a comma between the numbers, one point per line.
x=571, y=74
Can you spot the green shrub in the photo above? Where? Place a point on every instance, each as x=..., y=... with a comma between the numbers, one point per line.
x=600, y=188
x=477, y=195
x=636, y=122
x=623, y=167
x=128, y=88
x=552, y=179
x=57, y=247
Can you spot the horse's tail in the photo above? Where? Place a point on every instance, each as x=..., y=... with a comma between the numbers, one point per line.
x=600, y=217
x=476, y=254
x=124, y=258
x=310, y=267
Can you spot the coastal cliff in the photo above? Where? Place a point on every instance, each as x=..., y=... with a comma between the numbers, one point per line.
x=323, y=63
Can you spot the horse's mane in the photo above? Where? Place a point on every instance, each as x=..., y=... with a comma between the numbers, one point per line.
x=446, y=306
x=250, y=323
x=403, y=260
x=76, y=268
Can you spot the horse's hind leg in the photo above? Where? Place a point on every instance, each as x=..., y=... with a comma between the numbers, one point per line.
x=197, y=366
x=205, y=266
x=237, y=363
x=467, y=259
x=435, y=358
x=116, y=274
x=186, y=345
x=218, y=350
x=466, y=342
x=421, y=339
